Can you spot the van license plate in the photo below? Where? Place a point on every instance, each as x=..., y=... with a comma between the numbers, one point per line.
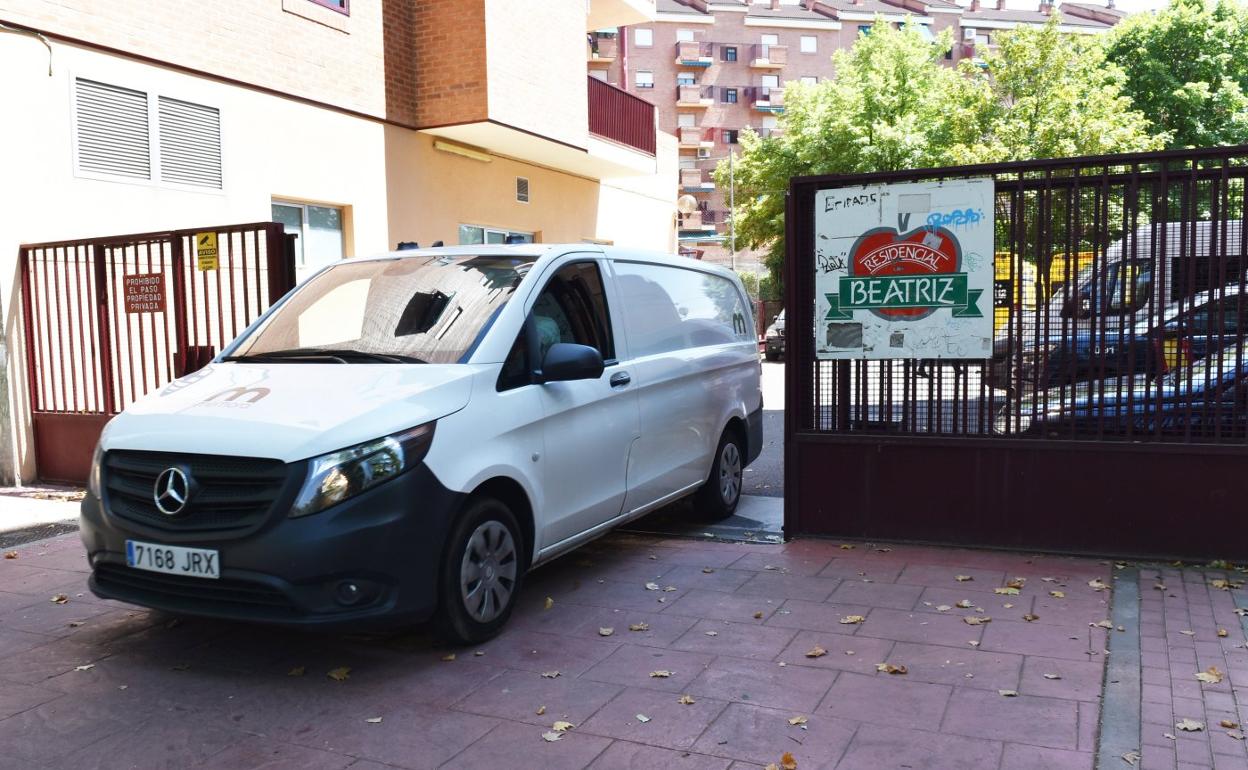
x=172, y=559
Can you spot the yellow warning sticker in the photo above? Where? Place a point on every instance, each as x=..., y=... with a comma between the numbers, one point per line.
x=206, y=251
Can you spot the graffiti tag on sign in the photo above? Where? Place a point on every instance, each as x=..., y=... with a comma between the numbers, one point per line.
x=144, y=292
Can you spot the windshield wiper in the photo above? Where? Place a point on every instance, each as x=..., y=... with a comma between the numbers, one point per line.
x=340, y=355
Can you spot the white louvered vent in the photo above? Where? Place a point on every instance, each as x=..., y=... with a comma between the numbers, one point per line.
x=522, y=189
x=113, y=135
x=190, y=143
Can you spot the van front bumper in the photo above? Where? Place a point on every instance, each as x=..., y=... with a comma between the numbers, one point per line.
x=387, y=541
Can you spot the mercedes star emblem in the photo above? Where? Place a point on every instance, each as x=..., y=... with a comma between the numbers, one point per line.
x=171, y=491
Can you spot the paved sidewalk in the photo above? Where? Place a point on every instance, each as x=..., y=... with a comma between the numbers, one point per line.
x=737, y=627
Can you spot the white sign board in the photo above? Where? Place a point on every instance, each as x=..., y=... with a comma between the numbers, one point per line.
x=904, y=270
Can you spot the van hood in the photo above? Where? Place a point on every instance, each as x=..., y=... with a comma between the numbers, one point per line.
x=288, y=411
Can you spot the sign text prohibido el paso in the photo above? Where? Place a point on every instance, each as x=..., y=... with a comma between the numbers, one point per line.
x=904, y=270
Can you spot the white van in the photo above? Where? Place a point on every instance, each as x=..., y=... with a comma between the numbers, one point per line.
x=402, y=437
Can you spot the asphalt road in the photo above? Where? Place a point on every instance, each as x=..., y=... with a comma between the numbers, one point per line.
x=765, y=476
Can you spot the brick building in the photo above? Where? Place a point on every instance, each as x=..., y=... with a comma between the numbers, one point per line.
x=356, y=123
x=716, y=67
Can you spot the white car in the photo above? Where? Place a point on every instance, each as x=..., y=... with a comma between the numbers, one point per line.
x=403, y=437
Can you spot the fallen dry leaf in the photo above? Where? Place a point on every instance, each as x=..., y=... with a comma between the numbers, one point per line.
x=540, y=710
x=976, y=620
x=758, y=615
x=685, y=700
x=75, y=623
x=1210, y=675
x=816, y=652
x=1241, y=611
x=787, y=762
x=850, y=620
x=1096, y=584
x=1008, y=693
x=562, y=727
x=606, y=631
x=85, y=667
x=478, y=653
x=1228, y=724
x=373, y=720
x=795, y=721
x=707, y=570
x=448, y=657
x=340, y=674
x=847, y=547
x=1188, y=633
x=10, y=554
x=1057, y=594
x=963, y=578
x=642, y=718
x=964, y=604
x=1190, y=725
x=1169, y=735
x=1008, y=606
x=711, y=633
x=297, y=671
x=660, y=674
x=1029, y=617
x=1017, y=582
x=943, y=608
x=973, y=643
x=1101, y=624
x=638, y=626
x=652, y=586
x=889, y=668
x=1159, y=586
x=59, y=599
x=1007, y=591
x=1052, y=676
x=1236, y=734
x=1226, y=585
x=549, y=674
x=669, y=589
x=549, y=602
x=550, y=736
x=1131, y=758
x=1222, y=633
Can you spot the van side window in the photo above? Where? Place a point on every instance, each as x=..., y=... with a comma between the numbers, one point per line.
x=1130, y=284
x=672, y=308
x=571, y=308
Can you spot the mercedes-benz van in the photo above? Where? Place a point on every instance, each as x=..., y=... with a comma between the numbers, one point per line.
x=402, y=437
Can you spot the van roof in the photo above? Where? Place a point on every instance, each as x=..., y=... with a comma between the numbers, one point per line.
x=1182, y=239
x=537, y=251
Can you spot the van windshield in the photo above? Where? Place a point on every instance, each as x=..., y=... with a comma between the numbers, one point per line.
x=406, y=310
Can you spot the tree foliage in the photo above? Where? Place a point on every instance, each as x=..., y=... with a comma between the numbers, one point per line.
x=1187, y=69
x=893, y=105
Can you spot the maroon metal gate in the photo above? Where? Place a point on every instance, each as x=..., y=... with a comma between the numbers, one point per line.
x=1112, y=416
x=109, y=319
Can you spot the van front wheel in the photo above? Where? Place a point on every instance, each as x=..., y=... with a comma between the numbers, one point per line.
x=718, y=497
x=481, y=573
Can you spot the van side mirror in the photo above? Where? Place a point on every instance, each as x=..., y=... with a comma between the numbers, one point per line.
x=568, y=361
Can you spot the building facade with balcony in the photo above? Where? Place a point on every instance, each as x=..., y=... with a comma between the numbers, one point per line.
x=358, y=124
x=714, y=68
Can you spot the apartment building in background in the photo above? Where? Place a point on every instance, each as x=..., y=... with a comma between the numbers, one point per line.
x=358, y=124
x=713, y=68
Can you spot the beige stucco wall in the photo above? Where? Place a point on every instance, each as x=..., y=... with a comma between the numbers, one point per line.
x=272, y=147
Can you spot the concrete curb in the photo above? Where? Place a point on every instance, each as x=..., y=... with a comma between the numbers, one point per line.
x=1121, y=693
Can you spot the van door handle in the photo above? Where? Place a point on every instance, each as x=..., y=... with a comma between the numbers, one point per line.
x=620, y=379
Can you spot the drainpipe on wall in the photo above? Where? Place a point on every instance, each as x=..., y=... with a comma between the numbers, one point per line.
x=7, y=475
x=623, y=42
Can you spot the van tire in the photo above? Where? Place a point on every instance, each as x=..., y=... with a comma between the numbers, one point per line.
x=490, y=528
x=717, y=498
x=771, y=355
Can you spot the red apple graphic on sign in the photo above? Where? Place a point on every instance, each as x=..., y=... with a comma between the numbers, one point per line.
x=884, y=252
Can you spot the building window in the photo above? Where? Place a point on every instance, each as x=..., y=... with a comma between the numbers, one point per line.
x=810, y=44
x=598, y=74
x=522, y=189
x=770, y=81
x=341, y=6
x=729, y=53
x=472, y=235
x=770, y=40
x=319, y=229
x=864, y=29
x=643, y=37
x=686, y=120
x=729, y=136
x=644, y=79
x=684, y=35
x=809, y=80
x=686, y=79
x=730, y=96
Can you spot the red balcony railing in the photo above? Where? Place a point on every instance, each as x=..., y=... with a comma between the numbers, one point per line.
x=621, y=117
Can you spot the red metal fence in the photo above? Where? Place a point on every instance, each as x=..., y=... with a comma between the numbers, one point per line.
x=1115, y=394
x=108, y=320
x=621, y=117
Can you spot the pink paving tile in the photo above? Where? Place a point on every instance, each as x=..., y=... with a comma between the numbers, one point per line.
x=886, y=700
x=169, y=740
x=789, y=586
x=763, y=684
x=608, y=593
x=892, y=595
x=817, y=616
x=958, y=666
x=53, y=730
x=844, y=653
x=669, y=724
x=717, y=605
x=632, y=665
x=623, y=755
x=585, y=622
x=875, y=746
x=761, y=735
x=1079, y=680
x=741, y=640
x=858, y=568
x=521, y=747
x=1019, y=757
x=535, y=651
x=1071, y=643
x=257, y=753
x=804, y=564
x=33, y=581
x=518, y=695
x=14, y=641
x=16, y=698
x=944, y=576
x=53, y=619
x=1089, y=719
x=37, y=663
x=920, y=627
x=695, y=554
x=718, y=579
x=11, y=601
x=1047, y=722
x=1072, y=613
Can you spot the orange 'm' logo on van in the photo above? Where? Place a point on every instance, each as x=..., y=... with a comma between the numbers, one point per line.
x=233, y=394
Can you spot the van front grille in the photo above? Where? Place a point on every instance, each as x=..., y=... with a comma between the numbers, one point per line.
x=154, y=588
x=226, y=493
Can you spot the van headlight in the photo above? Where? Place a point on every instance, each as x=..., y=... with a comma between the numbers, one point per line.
x=341, y=475
x=94, y=480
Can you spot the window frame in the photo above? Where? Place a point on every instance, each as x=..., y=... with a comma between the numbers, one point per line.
x=340, y=6
x=301, y=241
x=637, y=82
x=764, y=37
x=726, y=133
x=730, y=96
x=801, y=44
x=687, y=36
x=487, y=229
x=728, y=53
x=809, y=80
x=649, y=32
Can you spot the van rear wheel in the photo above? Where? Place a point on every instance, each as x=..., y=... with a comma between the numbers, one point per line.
x=718, y=497
x=482, y=569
